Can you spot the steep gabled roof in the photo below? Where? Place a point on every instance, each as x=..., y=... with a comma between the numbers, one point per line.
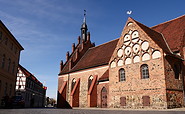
x=173, y=31
x=156, y=37
x=28, y=74
x=12, y=37
x=95, y=56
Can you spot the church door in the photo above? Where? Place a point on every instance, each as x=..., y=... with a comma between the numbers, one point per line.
x=104, y=98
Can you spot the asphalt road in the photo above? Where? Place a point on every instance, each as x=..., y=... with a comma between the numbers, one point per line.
x=86, y=111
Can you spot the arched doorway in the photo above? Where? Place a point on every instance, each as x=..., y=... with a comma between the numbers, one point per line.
x=104, y=97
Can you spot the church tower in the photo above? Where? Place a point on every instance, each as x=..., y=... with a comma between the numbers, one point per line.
x=78, y=50
x=84, y=29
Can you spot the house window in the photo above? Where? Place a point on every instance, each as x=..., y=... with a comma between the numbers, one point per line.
x=146, y=100
x=3, y=61
x=11, y=46
x=5, y=89
x=9, y=62
x=122, y=75
x=90, y=81
x=10, y=92
x=144, y=71
x=13, y=67
x=123, y=101
x=0, y=86
x=1, y=34
x=15, y=50
x=6, y=41
x=73, y=84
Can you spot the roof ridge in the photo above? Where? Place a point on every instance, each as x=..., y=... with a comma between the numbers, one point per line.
x=105, y=43
x=168, y=21
x=150, y=31
x=166, y=43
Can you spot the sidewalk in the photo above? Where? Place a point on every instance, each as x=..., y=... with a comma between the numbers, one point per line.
x=93, y=108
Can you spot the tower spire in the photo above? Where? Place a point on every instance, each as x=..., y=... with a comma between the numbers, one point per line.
x=84, y=16
x=84, y=28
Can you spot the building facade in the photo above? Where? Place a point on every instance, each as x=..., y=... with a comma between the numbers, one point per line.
x=10, y=50
x=30, y=88
x=143, y=68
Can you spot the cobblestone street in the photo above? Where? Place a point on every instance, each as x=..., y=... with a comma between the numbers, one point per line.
x=88, y=111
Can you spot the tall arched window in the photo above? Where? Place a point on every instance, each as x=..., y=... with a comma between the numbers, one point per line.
x=90, y=81
x=9, y=62
x=1, y=34
x=122, y=75
x=10, y=92
x=3, y=61
x=5, y=89
x=73, y=84
x=13, y=67
x=0, y=86
x=144, y=71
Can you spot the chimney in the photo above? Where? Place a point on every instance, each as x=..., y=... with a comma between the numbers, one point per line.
x=78, y=39
x=61, y=65
x=93, y=44
x=77, y=53
x=73, y=47
x=70, y=65
x=83, y=43
x=88, y=36
x=67, y=56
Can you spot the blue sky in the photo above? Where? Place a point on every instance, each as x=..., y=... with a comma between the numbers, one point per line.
x=47, y=28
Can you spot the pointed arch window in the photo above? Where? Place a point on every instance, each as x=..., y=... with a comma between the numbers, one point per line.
x=144, y=71
x=90, y=81
x=73, y=84
x=122, y=75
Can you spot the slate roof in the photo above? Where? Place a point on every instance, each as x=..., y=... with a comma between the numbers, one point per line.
x=173, y=31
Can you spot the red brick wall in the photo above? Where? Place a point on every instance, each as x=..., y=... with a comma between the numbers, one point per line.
x=83, y=88
x=174, y=98
x=134, y=88
x=174, y=86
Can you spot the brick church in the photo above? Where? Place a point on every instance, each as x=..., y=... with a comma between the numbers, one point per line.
x=143, y=68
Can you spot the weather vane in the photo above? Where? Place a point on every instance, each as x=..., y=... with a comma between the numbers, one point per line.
x=84, y=12
x=129, y=12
